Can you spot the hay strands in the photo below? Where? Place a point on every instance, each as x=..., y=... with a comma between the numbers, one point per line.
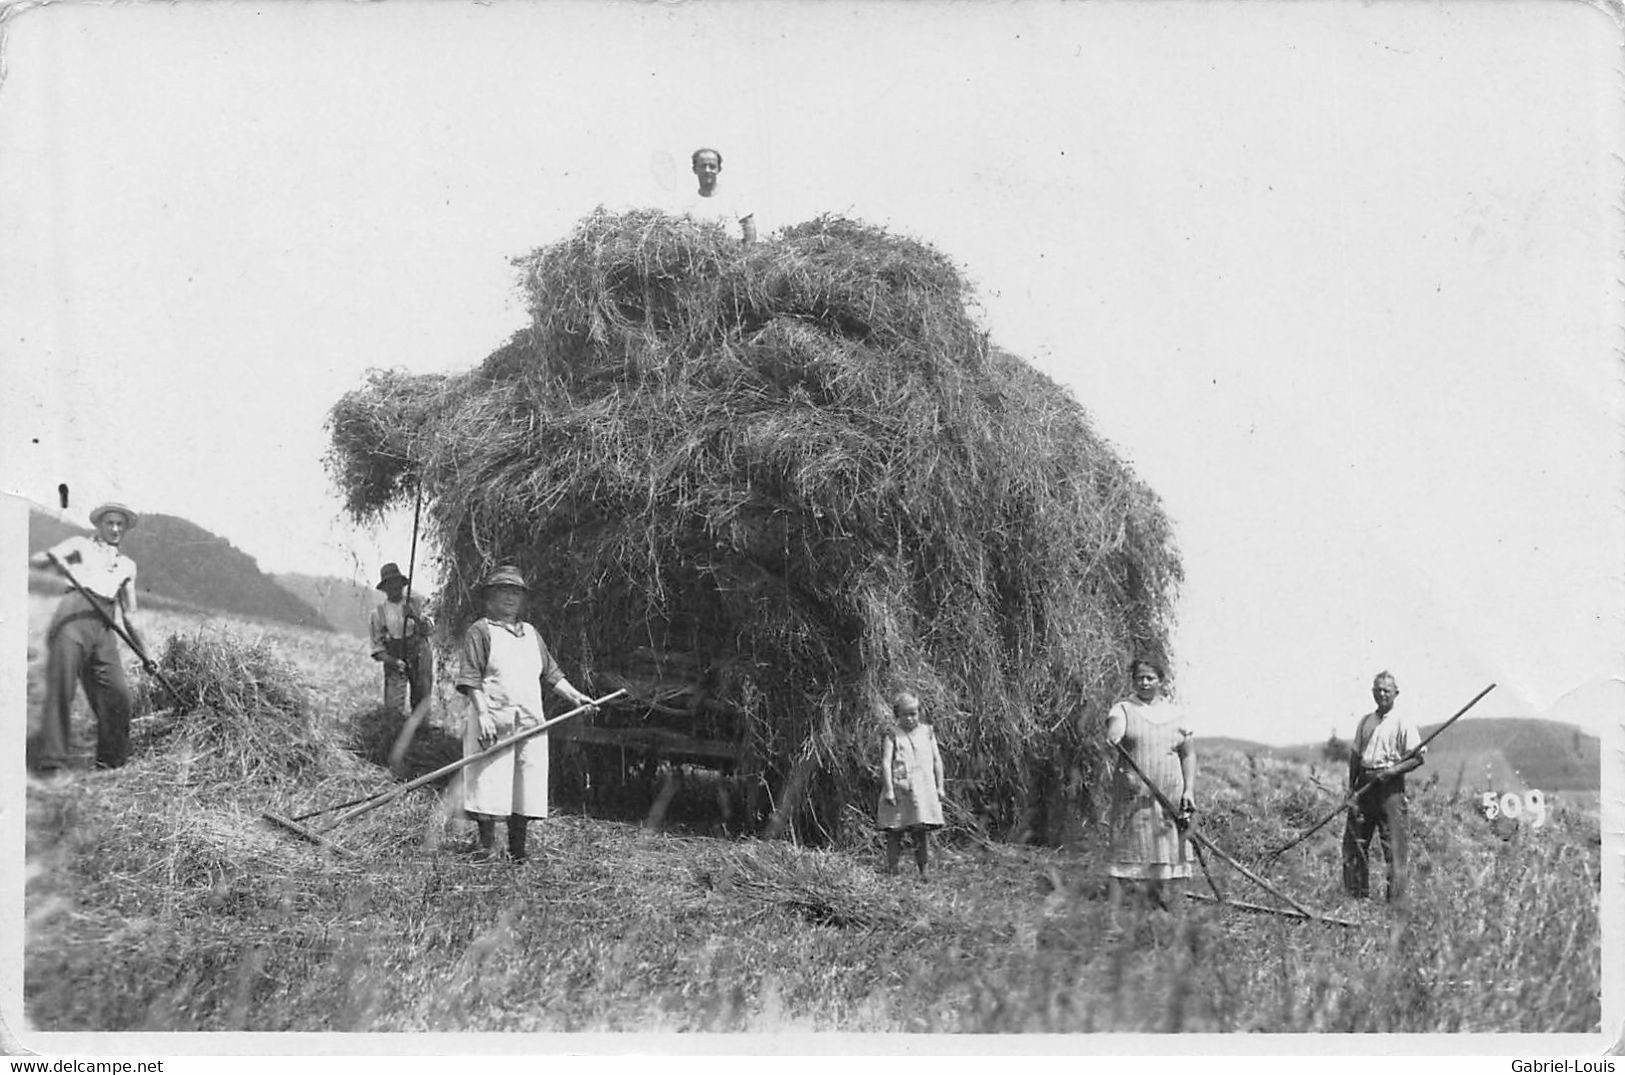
x=1197, y=838
x=373, y=802
x=1354, y=796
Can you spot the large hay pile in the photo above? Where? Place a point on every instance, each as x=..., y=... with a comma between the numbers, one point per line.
x=802, y=462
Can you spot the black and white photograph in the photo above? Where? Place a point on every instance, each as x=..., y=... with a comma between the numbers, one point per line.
x=542, y=526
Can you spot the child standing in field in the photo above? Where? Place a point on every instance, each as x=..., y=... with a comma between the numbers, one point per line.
x=911, y=778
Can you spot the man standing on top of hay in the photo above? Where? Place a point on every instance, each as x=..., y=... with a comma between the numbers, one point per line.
x=504, y=665
x=711, y=202
x=400, y=640
x=1380, y=755
x=82, y=648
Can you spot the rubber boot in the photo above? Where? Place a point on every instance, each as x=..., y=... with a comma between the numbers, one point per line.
x=486, y=851
x=922, y=850
x=517, y=824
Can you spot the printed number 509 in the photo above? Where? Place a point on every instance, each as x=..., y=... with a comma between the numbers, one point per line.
x=1532, y=805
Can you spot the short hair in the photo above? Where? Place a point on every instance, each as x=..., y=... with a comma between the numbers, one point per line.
x=1149, y=662
x=902, y=698
x=1385, y=676
x=694, y=157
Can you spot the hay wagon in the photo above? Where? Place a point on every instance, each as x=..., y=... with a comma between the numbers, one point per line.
x=765, y=487
x=672, y=719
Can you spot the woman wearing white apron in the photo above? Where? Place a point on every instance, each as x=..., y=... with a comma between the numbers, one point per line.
x=504, y=664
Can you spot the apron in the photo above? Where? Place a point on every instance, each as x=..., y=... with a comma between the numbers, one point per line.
x=514, y=781
x=1146, y=844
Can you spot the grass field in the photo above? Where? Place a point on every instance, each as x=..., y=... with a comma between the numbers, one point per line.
x=217, y=921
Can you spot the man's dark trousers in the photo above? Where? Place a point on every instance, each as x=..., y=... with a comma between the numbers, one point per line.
x=81, y=649
x=1379, y=811
x=403, y=690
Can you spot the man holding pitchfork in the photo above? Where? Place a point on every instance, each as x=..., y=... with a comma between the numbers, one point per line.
x=1386, y=746
x=400, y=641
x=82, y=642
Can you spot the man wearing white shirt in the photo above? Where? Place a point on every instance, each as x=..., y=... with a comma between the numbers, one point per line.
x=80, y=646
x=1385, y=748
x=711, y=202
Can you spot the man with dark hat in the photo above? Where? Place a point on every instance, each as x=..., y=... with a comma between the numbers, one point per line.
x=400, y=641
x=80, y=646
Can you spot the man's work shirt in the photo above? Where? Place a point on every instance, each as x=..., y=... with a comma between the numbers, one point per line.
x=100, y=568
x=721, y=207
x=389, y=623
x=1384, y=741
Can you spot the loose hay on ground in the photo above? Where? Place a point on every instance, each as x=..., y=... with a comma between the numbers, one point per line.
x=822, y=888
x=240, y=711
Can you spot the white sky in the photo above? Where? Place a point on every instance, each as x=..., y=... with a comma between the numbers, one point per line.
x=1340, y=280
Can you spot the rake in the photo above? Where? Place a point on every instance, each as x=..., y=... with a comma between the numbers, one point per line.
x=368, y=803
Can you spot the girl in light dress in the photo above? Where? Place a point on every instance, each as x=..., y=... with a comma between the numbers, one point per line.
x=911, y=784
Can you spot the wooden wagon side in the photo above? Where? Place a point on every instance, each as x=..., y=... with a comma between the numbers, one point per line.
x=670, y=720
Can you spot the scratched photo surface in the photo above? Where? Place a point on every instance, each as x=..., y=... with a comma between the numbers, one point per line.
x=989, y=348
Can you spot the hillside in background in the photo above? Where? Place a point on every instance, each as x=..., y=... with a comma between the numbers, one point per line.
x=345, y=604
x=1517, y=753
x=1498, y=753
x=183, y=562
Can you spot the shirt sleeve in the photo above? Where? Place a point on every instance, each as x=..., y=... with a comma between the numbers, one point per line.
x=1116, y=723
x=1361, y=736
x=1412, y=738
x=1186, y=726
x=70, y=550
x=126, y=590
x=378, y=632
x=551, y=672
x=474, y=657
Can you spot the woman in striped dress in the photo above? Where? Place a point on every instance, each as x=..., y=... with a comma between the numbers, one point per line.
x=1148, y=849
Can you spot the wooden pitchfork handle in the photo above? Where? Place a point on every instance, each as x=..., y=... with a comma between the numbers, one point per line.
x=146, y=662
x=1181, y=820
x=429, y=778
x=1354, y=796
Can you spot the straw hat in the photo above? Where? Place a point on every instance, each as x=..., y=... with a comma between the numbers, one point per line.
x=391, y=572
x=506, y=575
x=130, y=517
